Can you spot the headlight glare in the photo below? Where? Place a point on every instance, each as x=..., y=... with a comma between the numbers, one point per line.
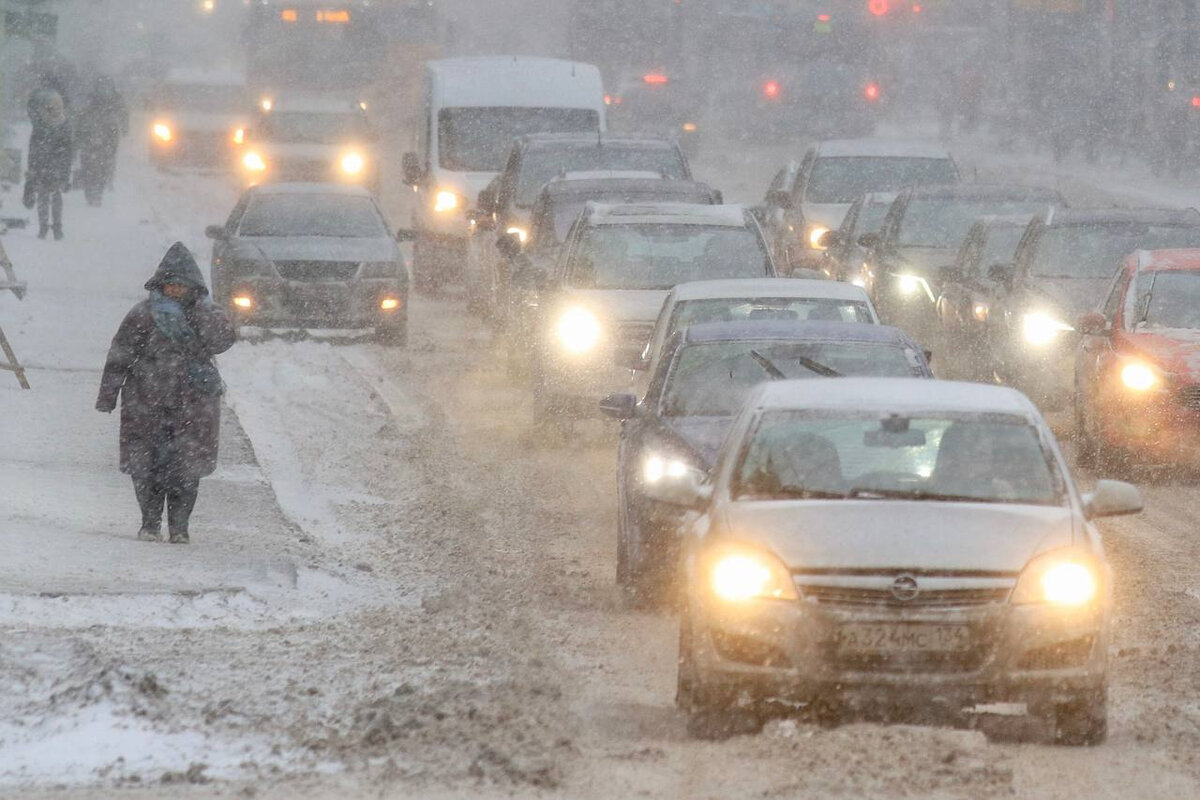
x=1069, y=579
x=656, y=467
x=520, y=233
x=445, y=200
x=912, y=285
x=254, y=162
x=352, y=163
x=814, y=236
x=1041, y=329
x=1139, y=377
x=737, y=575
x=162, y=131
x=578, y=330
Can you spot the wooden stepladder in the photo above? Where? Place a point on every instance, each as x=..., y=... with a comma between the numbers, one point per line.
x=9, y=281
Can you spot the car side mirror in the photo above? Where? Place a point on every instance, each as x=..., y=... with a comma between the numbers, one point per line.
x=689, y=490
x=718, y=197
x=1001, y=273
x=1092, y=323
x=509, y=245
x=406, y=235
x=619, y=406
x=778, y=198
x=928, y=357
x=486, y=201
x=1112, y=499
x=829, y=239
x=216, y=232
x=870, y=240
x=410, y=165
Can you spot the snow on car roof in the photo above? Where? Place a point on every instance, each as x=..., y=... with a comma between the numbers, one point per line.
x=316, y=104
x=613, y=174
x=768, y=287
x=786, y=329
x=657, y=187
x=1116, y=216
x=733, y=216
x=879, y=198
x=1162, y=260
x=1005, y=220
x=988, y=191
x=879, y=148
x=310, y=188
x=538, y=140
x=894, y=395
x=516, y=81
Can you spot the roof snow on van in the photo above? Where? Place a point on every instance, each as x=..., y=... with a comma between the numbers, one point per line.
x=514, y=81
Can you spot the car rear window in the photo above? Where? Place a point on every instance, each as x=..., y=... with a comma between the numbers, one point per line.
x=787, y=309
x=659, y=256
x=842, y=179
x=543, y=164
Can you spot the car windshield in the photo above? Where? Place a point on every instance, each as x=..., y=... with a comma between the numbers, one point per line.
x=934, y=457
x=945, y=221
x=478, y=139
x=566, y=211
x=294, y=127
x=712, y=379
x=789, y=309
x=659, y=256
x=842, y=179
x=1168, y=300
x=201, y=99
x=1001, y=245
x=1095, y=251
x=312, y=215
x=542, y=164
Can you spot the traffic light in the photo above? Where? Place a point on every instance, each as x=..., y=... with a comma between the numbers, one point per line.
x=879, y=7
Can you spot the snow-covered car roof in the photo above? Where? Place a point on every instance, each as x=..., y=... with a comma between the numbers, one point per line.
x=733, y=216
x=769, y=287
x=879, y=198
x=196, y=76
x=1005, y=220
x=879, y=148
x=655, y=186
x=988, y=191
x=608, y=175
x=1176, y=259
x=885, y=395
x=516, y=81
x=745, y=330
x=1117, y=216
x=347, y=189
x=315, y=104
x=538, y=140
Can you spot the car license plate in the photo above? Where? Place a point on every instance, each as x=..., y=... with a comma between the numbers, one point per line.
x=902, y=638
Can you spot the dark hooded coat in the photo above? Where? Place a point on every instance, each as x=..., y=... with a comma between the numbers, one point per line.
x=169, y=419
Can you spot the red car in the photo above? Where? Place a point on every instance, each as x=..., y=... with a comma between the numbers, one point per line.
x=1137, y=369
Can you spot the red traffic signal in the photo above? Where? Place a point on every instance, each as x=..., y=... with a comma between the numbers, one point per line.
x=879, y=7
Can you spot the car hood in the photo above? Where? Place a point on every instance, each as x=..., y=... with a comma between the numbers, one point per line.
x=925, y=260
x=828, y=214
x=1073, y=296
x=897, y=534
x=703, y=435
x=321, y=248
x=621, y=305
x=185, y=121
x=1173, y=350
x=307, y=150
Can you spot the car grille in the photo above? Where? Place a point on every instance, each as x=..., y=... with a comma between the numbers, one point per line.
x=301, y=171
x=1189, y=397
x=936, y=598
x=966, y=661
x=317, y=271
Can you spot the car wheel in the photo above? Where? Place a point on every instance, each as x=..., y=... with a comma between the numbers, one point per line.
x=1083, y=722
x=711, y=716
x=645, y=584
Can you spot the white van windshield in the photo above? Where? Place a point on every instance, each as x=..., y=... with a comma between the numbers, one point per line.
x=478, y=139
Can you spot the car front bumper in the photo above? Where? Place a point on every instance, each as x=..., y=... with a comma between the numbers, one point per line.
x=1161, y=429
x=350, y=304
x=788, y=651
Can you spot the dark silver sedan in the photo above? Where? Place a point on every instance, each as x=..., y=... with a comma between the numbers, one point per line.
x=311, y=255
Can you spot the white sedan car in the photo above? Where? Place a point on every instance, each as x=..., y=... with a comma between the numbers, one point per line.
x=915, y=543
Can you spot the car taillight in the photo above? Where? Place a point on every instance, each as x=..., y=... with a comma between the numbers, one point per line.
x=879, y=7
x=1196, y=101
x=771, y=90
x=655, y=79
x=871, y=91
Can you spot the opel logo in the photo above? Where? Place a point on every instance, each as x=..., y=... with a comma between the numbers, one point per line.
x=905, y=588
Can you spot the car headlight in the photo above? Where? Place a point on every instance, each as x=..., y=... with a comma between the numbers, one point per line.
x=445, y=200
x=911, y=285
x=661, y=465
x=1062, y=578
x=980, y=311
x=578, y=330
x=352, y=163
x=1041, y=329
x=254, y=162
x=737, y=574
x=162, y=131
x=378, y=269
x=1140, y=377
x=815, y=233
x=239, y=136
x=520, y=233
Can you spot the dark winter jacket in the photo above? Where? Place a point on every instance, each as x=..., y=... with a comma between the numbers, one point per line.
x=103, y=121
x=170, y=406
x=51, y=152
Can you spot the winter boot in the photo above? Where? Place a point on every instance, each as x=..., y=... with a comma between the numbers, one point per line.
x=150, y=533
x=58, y=234
x=179, y=537
x=43, y=232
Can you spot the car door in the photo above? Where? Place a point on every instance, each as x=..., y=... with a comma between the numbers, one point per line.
x=840, y=255
x=218, y=277
x=1004, y=313
x=956, y=297
x=774, y=213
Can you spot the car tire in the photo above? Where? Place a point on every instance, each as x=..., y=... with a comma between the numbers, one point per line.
x=1083, y=721
x=711, y=716
x=644, y=583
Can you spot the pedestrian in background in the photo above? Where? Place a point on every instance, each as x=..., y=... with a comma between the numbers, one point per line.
x=161, y=364
x=51, y=152
x=101, y=123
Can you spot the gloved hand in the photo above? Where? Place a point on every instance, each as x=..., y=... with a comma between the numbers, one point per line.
x=106, y=406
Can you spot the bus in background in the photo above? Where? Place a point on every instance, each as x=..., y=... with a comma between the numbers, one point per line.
x=473, y=109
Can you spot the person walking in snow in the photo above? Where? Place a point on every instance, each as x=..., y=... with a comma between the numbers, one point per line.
x=51, y=153
x=161, y=365
x=101, y=124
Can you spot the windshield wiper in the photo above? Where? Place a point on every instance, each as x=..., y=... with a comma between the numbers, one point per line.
x=924, y=494
x=777, y=374
x=768, y=367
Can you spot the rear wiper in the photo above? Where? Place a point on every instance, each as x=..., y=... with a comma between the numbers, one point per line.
x=818, y=367
x=775, y=372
